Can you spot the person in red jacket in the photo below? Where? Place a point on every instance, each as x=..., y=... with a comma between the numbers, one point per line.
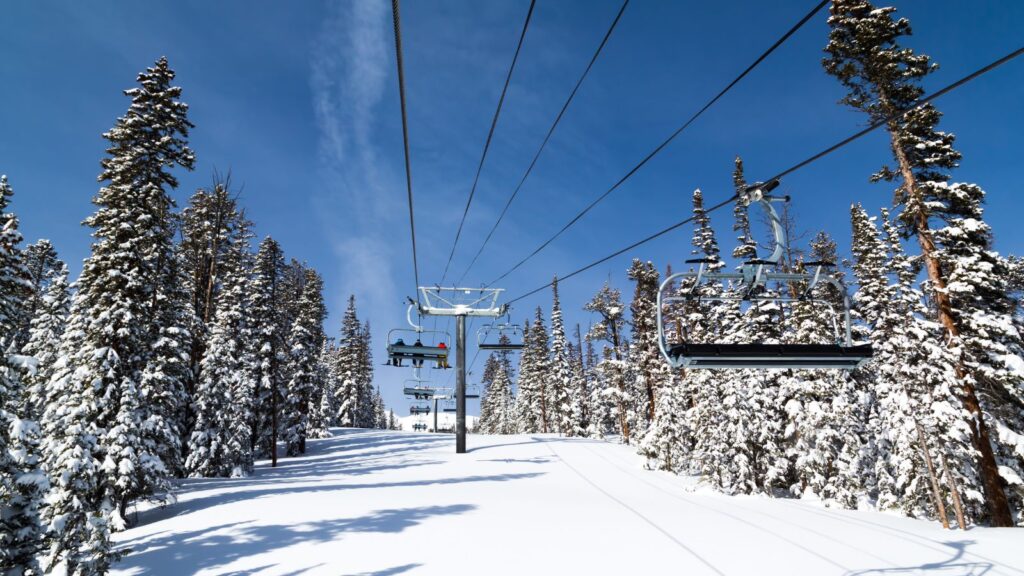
x=442, y=362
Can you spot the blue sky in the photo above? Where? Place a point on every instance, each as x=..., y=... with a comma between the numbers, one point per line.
x=299, y=101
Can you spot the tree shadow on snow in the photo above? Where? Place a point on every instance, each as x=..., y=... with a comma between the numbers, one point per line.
x=188, y=552
x=221, y=498
x=953, y=566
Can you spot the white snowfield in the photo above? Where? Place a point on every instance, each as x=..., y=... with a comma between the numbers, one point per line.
x=372, y=502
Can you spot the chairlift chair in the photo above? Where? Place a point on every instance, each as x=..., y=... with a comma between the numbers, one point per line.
x=418, y=409
x=749, y=285
x=473, y=391
x=418, y=389
x=489, y=337
x=400, y=349
x=448, y=407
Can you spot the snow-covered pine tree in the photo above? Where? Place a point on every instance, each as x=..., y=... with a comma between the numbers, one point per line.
x=909, y=376
x=348, y=367
x=307, y=338
x=380, y=414
x=503, y=418
x=966, y=279
x=221, y=441
x=650, y=370
x=45, y=331
x=746, y=245
x=928, y=374
x=669, y=440
x=579, y=392
x=167, y=376
x=486, y=400
x=42, y=265
x=365, y=413
x=532, y=401
x=822, y=432
x=607, y=304
x=270, y=347
x=210, y=225
x=95, y=441
x=560, y=375
x=321, y=402
x=15, y=286
x=21, y=483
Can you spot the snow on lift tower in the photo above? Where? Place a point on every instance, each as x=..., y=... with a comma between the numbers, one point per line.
x=416, y=352
x=749, y=285
x=460, y=303
x=506, y=337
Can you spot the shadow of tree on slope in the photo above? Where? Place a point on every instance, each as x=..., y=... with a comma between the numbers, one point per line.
x=188, y=552
x=952, y=566
x=223, y=498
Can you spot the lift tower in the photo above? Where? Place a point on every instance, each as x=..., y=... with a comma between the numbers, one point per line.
x=460, y=303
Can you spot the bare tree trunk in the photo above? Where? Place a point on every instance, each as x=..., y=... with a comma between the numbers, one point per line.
x=940, y=506
x=995, y=497
x=957, y=504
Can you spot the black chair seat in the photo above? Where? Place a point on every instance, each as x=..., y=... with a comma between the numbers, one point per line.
x=500, y=347
x=778, y=356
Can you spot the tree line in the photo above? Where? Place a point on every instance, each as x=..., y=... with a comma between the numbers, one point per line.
x=932, y=426
x=179, y=351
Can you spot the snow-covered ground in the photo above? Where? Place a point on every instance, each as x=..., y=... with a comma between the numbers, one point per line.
x=382, y=503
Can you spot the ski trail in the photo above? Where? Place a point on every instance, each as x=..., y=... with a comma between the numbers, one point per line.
x=734, y=517
x=904, y=535
x=637, y=513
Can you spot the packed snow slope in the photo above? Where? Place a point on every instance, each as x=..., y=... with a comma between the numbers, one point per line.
x=382, y=503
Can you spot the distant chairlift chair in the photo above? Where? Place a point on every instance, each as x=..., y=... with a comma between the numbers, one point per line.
x=749, y=285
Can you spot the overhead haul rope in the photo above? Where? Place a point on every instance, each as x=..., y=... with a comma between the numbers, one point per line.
x=667, y=141
x=791, y=169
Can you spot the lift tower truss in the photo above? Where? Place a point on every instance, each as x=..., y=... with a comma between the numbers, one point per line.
x=460, y=303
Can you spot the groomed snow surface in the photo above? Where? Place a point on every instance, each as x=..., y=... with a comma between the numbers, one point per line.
x=375, y=502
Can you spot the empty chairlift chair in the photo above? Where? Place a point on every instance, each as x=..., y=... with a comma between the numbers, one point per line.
x=749, y=285
x=504, y=337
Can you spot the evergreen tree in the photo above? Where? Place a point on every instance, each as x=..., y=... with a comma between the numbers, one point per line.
x=364, y=376
x=306, y=340
x=21, y=483
x=348, y=367
x=532, y=401
x=15, y=286
x=100, y=446
x=379, y=412
x=645, y=357
x=269, y=348
x=321, y=402
x=580, y=410
x=746, y=246
x=45, y=332
x=42, y=267
x=560, y=373
x=221, y=441
x=966, y=279
x=607, y=303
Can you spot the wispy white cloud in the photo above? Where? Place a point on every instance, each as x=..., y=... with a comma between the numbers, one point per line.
x=349, y=71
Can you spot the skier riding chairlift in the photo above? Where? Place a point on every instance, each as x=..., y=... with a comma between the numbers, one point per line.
x=397, y=362
x=417, y=359
x=442, y=361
